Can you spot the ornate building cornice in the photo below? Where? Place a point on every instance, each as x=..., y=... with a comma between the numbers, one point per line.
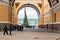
x=4, y=2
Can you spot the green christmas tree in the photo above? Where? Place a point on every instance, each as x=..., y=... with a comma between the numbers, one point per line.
x=25, y=22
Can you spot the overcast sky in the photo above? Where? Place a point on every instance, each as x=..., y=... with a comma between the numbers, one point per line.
x=30, y=12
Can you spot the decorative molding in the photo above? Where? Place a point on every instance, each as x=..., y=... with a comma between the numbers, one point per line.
x=40, y=5
x=5, y=22
x=17, y=4
x=53, y=23
x=4, y=3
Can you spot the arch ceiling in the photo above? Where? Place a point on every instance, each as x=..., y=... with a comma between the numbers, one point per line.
x=21, y=4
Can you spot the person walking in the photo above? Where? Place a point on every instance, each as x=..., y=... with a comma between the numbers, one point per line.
x=21, y=28
x=10, y=29
x=5, y=30
x=33, y=27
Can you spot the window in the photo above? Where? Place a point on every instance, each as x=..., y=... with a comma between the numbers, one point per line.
x=55, y=17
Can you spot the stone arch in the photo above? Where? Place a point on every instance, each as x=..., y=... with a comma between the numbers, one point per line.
x=29, y=5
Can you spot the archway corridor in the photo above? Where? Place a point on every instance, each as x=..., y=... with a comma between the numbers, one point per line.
x=30, y=19
x=48, y=13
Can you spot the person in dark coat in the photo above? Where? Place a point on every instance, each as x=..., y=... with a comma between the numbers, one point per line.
x=21, y=28
x=5, y=30
x=10, y=29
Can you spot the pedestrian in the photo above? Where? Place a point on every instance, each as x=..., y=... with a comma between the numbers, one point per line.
x=33, y=27
x=5, y=30
x=21, y=28
x=10, y=29
x=47, y=26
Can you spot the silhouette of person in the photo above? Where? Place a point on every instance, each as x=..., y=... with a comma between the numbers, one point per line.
x=5, y=30
x=10, y=29
x=33, y=27
x=47, y=26
x=21, y=28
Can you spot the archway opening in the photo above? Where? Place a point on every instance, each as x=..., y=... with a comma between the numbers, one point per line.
x=32, y=13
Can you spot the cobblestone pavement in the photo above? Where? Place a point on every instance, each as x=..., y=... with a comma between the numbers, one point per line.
x=25, y=35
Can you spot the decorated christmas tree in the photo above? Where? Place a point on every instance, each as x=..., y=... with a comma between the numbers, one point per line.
x=25, y=22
